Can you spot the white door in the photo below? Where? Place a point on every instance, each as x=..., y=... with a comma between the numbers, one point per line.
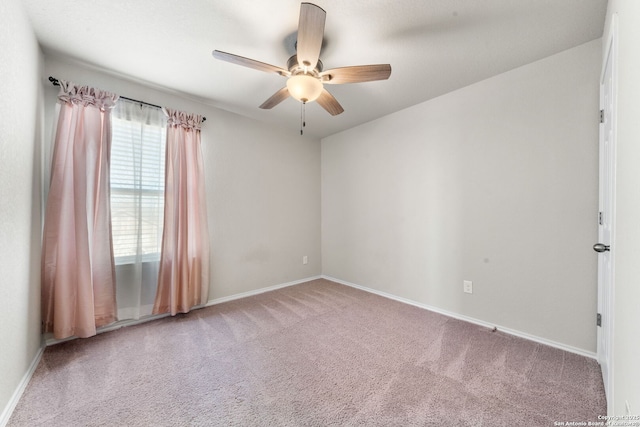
x=605, y=245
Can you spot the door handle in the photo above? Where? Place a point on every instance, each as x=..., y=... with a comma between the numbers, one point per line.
x=600, y=247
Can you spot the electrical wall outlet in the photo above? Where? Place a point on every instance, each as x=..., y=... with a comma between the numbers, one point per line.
x=305, y=259
x=467, y=286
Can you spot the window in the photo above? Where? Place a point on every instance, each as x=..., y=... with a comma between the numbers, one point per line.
x=137, y=182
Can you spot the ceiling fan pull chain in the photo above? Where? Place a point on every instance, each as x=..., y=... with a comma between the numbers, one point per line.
x=303, y=121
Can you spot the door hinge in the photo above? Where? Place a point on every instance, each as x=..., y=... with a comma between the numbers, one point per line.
x=599, y=319
x=600, y=218
x=601, y=116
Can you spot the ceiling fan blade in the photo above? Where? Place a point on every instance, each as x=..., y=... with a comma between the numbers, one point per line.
x=310, y=34
x=275, y=99
x=356, y=74
x=250, y=63
x=329, y=103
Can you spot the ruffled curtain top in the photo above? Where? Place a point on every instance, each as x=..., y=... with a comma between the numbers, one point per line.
x=187, y=121
x=71, y=93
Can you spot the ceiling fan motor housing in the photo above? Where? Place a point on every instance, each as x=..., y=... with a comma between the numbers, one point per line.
x=294, y=67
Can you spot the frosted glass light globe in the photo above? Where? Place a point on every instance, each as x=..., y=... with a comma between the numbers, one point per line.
x=304, y=88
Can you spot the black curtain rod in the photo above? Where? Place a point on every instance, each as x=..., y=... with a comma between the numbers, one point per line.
x=55, y=82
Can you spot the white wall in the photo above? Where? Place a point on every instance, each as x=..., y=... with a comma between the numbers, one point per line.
x=495, y=183
x=20, y=224
x=626, y=241
x=263, y=187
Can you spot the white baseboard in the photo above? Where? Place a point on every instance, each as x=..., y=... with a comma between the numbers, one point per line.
x=17, y=394
x=509, y=331
x=135, y=313
x=49, y=340
x=148, y=318
x=259, y=291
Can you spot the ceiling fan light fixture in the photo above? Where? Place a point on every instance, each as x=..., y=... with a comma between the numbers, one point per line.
x=304, y=87
x=305, y=69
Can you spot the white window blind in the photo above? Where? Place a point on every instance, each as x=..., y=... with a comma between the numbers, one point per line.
x=137, y=185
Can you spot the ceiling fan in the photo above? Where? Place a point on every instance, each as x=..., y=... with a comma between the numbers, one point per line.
x=306, y=78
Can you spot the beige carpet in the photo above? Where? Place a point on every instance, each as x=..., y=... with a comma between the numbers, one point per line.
x=315, y=354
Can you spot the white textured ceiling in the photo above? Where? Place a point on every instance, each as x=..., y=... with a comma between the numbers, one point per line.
x=433, y=46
